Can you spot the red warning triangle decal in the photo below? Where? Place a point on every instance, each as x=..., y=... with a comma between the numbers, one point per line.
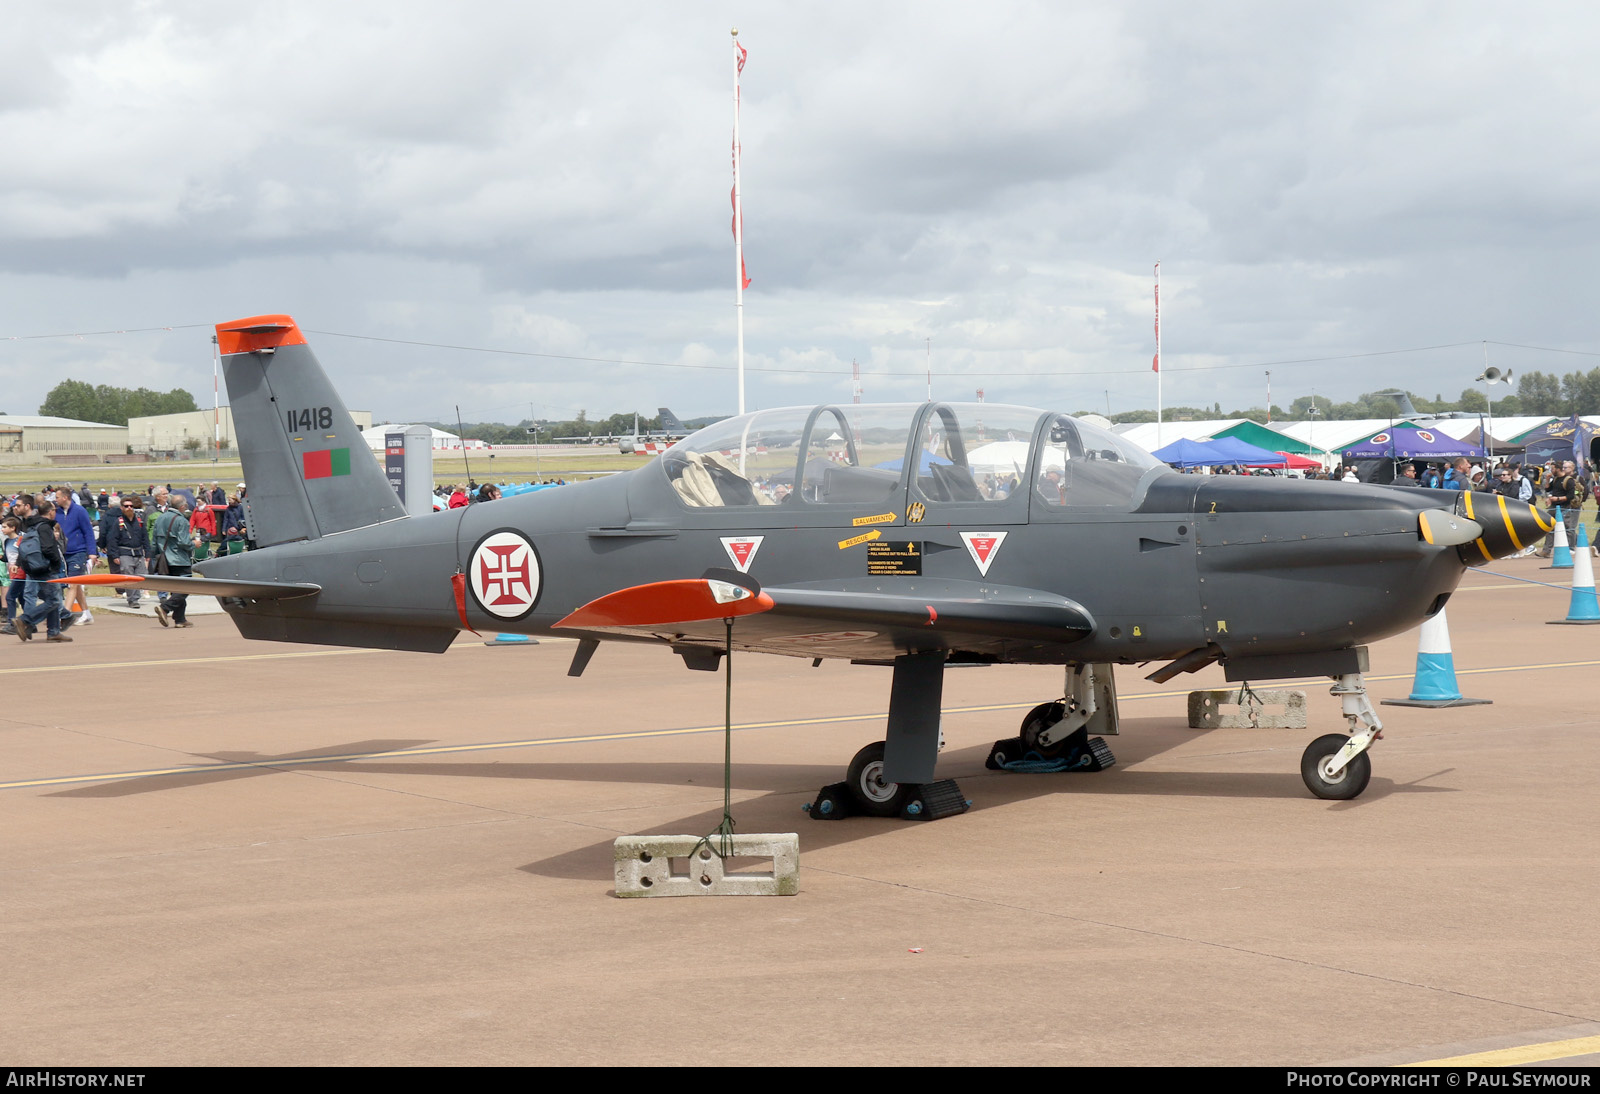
x=742, y=550
x=983, y=546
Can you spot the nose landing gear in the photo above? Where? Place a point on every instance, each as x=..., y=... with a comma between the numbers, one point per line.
x=1338, y=768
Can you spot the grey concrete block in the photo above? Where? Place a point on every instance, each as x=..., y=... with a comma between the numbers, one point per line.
x=685, y=866
x=1274, y=708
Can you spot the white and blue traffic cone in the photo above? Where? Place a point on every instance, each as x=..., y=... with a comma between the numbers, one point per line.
x=1435, y=682
x=1561, y=555
x=1585, y=608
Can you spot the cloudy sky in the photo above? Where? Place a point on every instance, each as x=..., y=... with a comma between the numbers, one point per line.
x=996, y=180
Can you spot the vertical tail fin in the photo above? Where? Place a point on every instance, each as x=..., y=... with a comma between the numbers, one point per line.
x=669, y=421
x=309, y=471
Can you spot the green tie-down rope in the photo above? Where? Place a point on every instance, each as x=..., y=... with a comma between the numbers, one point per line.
x=723, y=833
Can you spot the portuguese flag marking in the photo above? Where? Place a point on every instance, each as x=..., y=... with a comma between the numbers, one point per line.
x=326, y=464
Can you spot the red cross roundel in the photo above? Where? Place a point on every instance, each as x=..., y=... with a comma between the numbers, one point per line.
x=504, y=574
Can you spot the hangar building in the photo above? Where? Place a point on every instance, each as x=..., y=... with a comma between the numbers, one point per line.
x=167, y=433
x=39, y=439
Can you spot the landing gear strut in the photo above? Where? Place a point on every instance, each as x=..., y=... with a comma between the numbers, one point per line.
x=894, y=777
x=1055, y=735
x=1338, y=768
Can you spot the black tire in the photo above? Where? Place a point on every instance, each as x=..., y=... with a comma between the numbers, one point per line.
x=1039, y=719
x=1348, y=784
x=871, y=794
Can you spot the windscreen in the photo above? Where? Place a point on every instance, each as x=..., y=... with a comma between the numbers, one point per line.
x=1084, y=465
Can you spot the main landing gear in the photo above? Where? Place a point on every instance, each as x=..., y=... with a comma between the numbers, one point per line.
x=1338, y=768
x=894, y=777
x=1055, y=735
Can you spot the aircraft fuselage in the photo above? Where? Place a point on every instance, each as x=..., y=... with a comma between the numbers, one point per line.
x=1245, y=565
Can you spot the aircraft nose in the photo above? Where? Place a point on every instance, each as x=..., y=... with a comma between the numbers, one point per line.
x=1508, y=526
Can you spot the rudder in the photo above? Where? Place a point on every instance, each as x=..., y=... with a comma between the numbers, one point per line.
x=309, y=471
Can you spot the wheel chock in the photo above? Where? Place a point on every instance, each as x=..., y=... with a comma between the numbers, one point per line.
x=1078, y=752
x=833, y=803
x=1004, y=753
x=935, y=801
x=1100, y=756
x=924, y=802
x=1205, y=709
x=691, y=866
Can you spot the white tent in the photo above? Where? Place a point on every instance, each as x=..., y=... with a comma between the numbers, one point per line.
x=1335, y=436
x=1000, y=458
x=1144, y=433
x=441, y=440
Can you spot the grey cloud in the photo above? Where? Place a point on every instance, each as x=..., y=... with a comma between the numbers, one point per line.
x=1315, y=181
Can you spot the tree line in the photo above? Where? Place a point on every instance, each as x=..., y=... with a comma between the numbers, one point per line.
x=109, y=405
x=618, y=425
x=1538, y=393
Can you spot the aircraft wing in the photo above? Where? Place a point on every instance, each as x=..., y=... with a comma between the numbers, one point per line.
x=867, y=619
x=205, y=586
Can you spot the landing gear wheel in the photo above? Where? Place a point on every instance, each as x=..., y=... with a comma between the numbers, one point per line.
x=872, y=795
x=1039, y=719
x=1348, y=783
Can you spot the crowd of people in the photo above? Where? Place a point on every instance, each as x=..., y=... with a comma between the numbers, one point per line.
x=452, y=496
x=66, y=531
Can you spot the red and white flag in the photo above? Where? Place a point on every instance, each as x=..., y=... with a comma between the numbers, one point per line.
x=740, y=53
x=738, y=236
x=1155, y=362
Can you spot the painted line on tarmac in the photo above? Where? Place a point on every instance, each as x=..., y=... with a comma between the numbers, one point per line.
x=1522, y=1054
x=1525, y=580
x=494, y=746
x=187, y=661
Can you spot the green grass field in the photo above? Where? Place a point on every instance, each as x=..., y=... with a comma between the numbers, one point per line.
x=447, y=468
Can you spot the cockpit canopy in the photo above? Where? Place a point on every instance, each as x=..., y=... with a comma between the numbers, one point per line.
x=872, y=454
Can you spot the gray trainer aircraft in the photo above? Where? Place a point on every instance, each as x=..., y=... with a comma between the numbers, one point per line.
x=911, y=535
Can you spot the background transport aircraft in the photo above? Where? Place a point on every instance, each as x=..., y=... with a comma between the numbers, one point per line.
x=671, y=430
x=911, y=535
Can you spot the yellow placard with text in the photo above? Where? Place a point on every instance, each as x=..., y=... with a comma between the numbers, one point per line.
x=862, y=538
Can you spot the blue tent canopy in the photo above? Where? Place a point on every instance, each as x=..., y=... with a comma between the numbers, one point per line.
x=924, y=459
x=1217, y=452
x=1249, y=454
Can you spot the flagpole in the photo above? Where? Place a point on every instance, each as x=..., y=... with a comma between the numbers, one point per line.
x=738, y=219
x=216, y=405
x=1158, y=355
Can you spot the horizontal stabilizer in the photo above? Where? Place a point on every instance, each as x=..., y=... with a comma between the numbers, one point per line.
x=201, y=586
